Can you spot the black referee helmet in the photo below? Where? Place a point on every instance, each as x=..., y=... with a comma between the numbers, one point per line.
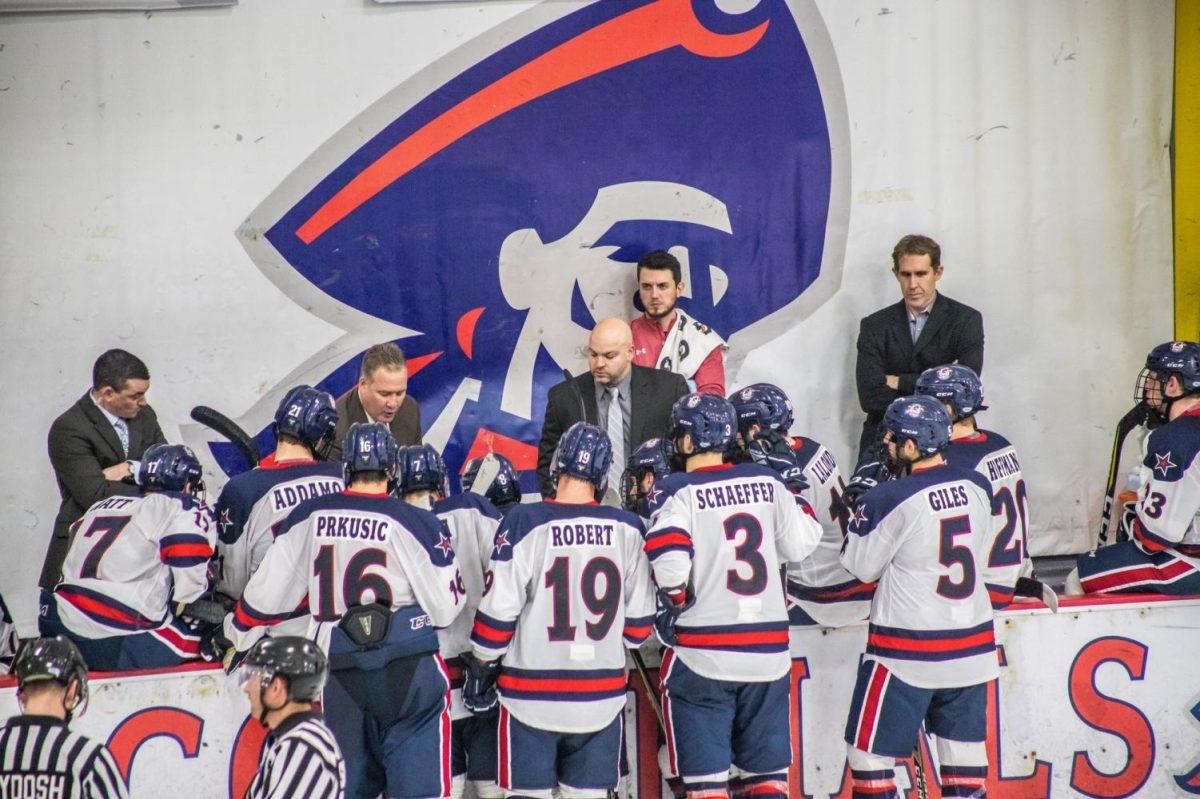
x=55, y=659
x=300, y=661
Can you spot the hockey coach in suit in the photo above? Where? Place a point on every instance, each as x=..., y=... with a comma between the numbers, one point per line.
x=380, y=396
x=614, y=391
x=96, y=444
x=924, y=329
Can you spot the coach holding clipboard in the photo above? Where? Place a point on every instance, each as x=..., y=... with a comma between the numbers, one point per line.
x=924, y=329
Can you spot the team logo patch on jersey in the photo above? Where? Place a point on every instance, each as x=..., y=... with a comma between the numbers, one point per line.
x=501, y=543
x=443, y=545
x=420, y=222
x=859, y=517
x=1163, y=463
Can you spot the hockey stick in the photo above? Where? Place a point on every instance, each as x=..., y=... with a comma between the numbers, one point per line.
x=918, y=757
x=651, y=694
x=1137, y=415
x=220, y=423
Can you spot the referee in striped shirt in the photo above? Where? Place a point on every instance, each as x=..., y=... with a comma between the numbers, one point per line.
x=283, y=677
x=39, y=756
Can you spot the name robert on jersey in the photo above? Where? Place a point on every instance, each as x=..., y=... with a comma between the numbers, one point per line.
x=361, y=528
x=581, y=535
x=722, y=496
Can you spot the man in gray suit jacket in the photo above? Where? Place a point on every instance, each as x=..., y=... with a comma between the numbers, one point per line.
x=96, y=444
x=380, y=396
x=614, y=391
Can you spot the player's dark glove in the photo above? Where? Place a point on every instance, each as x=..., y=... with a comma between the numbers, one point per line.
x=671, y=605
x=216, y=647
x=479, y=683
x=771, y=449
x=1128, y=524
x=869, y=474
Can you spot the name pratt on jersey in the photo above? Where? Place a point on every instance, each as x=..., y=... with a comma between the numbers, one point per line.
x=1003, y=466
x=291, y=496
x=33, y=786
x=736, y=494
x=112, y=503
x=947, y=498
x=357, y=527
x=581, y=535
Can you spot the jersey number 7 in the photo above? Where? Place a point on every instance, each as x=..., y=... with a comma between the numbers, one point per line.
x=110, y=527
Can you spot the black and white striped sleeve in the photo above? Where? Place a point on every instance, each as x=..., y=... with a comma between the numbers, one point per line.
x=303, y=769
x=103, y=779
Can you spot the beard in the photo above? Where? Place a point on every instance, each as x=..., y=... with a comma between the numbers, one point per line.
x=663, y=314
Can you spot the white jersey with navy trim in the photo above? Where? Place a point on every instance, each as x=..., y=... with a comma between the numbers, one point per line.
x=41, y=759
x=925, y=539
x=994, y=457
x=300, y=758
x=255, y=504
x=473, y=522
x=727, y=531
x=129, y=558
x=570, y=591
x=341, y=550
x=1168, y=505
x=819, y=585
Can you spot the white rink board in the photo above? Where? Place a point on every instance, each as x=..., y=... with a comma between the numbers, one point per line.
x=1125, y=665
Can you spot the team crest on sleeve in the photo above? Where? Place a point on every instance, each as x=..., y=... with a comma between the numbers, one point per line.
x=500, y=543
x=444, y=545
x=1163, y=463
x=419, y=222
x=859, y=517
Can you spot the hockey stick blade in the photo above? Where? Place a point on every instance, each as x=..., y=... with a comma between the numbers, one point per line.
x=222, y=424
x=1133, y=417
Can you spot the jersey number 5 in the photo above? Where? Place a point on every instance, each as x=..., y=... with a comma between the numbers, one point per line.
x=951, y=554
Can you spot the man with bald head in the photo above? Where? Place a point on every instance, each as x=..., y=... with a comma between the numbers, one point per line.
x=629, y=402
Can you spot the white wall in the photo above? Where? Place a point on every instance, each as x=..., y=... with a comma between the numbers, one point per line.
x=1029, y=138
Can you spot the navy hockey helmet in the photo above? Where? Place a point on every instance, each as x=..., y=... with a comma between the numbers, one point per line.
x=762, y=404
x=1174, y=358
x=307, y=415
x=420, y=468
x=956, y=385
x=652, y=456
x=55, y=659
x=494, y=477
x=169, y=467
x=585, y=452
x=710, y=420
x=920, y=418
x=369, y=447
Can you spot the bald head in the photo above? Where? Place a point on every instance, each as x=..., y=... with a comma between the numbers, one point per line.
x=610, y=350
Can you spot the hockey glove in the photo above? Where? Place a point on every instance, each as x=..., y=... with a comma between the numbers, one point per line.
x=868, y=475
x=479, y=683
x=771, y=449
x=671, y=605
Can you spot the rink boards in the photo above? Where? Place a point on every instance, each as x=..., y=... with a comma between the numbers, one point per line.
x=1101, y=700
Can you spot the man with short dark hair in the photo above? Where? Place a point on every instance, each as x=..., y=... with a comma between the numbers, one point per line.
x=380, y=396
x=96, y=445
x=924, y=329
x=664, y=337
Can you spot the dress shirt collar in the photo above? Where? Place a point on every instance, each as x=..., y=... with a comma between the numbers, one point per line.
x=912, y=317
x=111, y=417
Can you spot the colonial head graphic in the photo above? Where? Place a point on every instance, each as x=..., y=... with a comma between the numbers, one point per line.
x=489, y=210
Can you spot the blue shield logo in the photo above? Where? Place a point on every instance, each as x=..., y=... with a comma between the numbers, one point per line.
x=488, y=211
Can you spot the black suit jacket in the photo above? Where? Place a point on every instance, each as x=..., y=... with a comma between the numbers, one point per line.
x=652, y=393
x=953, y=332
x=82, y=444
x=405, y=426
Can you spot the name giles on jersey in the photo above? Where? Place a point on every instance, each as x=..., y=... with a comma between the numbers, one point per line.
x=948, y=497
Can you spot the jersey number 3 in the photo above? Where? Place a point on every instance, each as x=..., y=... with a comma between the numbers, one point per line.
x=746, y=553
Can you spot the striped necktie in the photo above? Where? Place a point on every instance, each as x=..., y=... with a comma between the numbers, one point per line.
x=616, y=436
x=122, y=428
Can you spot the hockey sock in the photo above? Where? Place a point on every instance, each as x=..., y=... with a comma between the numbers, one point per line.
x=872, y=776
x=760, y=786
x=963, y=768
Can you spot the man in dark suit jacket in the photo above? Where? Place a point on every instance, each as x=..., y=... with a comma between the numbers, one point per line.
x=924, y=329
x=643, y=400
x=96, y=444
x=380, y=396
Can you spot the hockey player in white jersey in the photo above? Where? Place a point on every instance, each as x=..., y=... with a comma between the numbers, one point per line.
x=570, y=591
x=254, y=504
x=960, y=390
x=930, y=644
x=1162, y=553
x=493, y=477
x=380, y=576
x=719, y=535
x=133, y=566
x=472, y=521
x=820, y=590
